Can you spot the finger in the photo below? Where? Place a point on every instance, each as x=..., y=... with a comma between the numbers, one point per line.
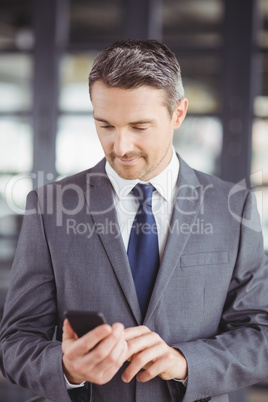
x=134, y=332
x=145, y=341
x=153, y=370
x=102, y=351
x=168, y=366
x=142, y=360
x=118, y=354
x=68, y=332
x=114, y=361
x=87, y=342
x=110, y=372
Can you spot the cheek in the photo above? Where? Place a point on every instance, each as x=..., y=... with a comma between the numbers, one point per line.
x=105, y=142
x=159, y=141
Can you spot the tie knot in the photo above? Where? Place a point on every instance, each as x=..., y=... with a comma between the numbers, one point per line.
x=143, y=193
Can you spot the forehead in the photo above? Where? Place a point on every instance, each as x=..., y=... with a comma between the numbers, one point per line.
x=117, y=99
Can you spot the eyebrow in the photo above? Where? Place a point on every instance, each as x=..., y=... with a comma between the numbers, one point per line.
x=101, y=120
x=132, y=123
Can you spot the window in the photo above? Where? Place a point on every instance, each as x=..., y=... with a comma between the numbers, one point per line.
x=193, y=23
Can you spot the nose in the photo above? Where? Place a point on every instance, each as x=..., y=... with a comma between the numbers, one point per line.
x=122, y=143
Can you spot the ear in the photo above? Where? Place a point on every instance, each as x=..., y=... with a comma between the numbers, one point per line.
x=179, y=113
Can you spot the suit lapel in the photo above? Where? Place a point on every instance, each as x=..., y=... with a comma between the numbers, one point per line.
x=101, y=206
x=185, y=212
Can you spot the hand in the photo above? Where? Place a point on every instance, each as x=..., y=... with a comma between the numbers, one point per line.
x=95, y=357
x=146, y=350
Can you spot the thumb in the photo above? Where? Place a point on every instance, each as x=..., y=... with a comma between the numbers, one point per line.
x=68, y=332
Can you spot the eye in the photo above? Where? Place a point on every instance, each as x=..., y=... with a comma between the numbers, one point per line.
x=140, y=128
x=107, y=127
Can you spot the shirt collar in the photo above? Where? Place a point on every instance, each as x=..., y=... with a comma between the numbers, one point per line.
x=164, y=182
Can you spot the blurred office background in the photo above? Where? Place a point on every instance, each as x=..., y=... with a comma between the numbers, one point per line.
x=46, y=126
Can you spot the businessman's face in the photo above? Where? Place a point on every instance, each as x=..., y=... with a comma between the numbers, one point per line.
x=135, y=129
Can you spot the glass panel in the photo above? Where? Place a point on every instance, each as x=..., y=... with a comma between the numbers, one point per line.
x=192, y=22
x=16, y=25
x=262, y=202
x=199, y=142
x=260, y=149
x=16, y=145
x=13, y=192
x=77, y=146
x=263, y=35
x=15, y=82
x=261, y=101
x=74, y=93
x=201, y=79
x=261, y=106
x=95, y=22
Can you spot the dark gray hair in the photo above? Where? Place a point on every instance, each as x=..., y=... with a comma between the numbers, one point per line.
x=131, y=64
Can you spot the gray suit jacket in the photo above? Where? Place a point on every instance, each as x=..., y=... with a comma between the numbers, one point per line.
x=209, y=300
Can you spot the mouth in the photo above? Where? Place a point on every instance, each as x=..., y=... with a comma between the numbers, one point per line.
x=130, y=161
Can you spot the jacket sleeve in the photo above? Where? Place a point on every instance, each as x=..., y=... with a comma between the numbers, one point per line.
x=30, y=356
x=237, y=356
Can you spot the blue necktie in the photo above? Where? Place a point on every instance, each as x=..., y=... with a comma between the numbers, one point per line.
x=143, y=253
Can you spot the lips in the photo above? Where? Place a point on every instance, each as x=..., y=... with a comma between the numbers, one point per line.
x=131, y=161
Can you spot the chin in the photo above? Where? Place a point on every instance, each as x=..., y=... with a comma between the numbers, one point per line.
x=127, y=175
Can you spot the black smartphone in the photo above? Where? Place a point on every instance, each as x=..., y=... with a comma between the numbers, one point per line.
x=84, y=321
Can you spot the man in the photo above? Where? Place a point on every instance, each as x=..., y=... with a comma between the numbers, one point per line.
x=191, y=328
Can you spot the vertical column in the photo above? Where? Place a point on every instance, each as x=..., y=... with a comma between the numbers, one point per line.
x=142, y=19
x=239, y=80
x=50, y=28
